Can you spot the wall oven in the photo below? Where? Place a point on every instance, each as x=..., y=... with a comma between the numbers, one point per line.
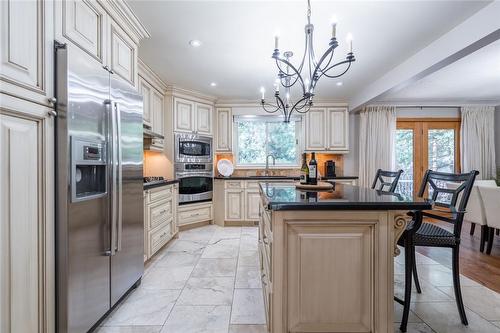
x=191, y=148
x=195, y=181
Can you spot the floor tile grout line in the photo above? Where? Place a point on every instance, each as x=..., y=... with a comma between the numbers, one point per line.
x=234, y=285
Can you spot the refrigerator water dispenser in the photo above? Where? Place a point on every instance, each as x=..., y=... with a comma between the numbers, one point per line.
x=88, y=169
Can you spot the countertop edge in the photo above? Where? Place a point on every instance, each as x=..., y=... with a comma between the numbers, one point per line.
x=280, y=178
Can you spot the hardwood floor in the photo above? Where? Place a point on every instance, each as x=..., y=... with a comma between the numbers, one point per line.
x=480, y=267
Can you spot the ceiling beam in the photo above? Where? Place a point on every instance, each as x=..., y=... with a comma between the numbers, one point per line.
x=479, y=30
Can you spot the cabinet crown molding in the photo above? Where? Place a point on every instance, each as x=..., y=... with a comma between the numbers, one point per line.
x=190, y=95
x=121, y=12
x=147, y=73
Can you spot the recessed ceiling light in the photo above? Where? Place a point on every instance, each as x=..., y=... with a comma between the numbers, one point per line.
x=339, y=83
x=195, y=43
x=213, y=84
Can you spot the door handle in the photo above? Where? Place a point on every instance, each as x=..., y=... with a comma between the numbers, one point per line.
x=120, y=178
x=114, y=185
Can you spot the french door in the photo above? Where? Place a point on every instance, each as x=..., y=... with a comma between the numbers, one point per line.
x=421, y=144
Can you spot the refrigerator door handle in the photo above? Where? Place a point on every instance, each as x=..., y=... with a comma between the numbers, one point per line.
x=119, y=179
x=114, y=201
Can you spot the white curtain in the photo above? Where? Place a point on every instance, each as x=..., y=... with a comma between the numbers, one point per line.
x=377, y=130
x=478, y=140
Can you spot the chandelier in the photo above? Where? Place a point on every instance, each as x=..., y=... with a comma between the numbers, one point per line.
x=290, y=75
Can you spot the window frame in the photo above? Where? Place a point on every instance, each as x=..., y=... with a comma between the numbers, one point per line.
x=268, y=119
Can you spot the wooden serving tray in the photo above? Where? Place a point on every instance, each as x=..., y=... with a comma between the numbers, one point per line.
x=319, y=186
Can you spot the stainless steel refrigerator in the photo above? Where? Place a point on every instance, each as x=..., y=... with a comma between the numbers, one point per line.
x=99, y=201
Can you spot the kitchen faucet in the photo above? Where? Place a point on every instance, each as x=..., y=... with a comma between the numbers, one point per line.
x=267, y=163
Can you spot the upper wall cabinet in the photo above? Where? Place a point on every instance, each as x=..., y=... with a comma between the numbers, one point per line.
x=192, y=117
x=26, y=52
x=145, y=90
x=184, y=120
x=223, y=142
x=327, y=129
x=107, y=30
x=204, y=119
x=123, y=54
x=84, y=23
x=152, y=89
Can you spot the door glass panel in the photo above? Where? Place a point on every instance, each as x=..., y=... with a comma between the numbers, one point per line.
x=441, y=150
x=404, y=160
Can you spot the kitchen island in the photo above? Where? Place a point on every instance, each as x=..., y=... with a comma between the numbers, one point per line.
x=327, y=257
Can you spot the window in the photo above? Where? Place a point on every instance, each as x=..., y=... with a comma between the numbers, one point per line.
x=426, y=144
x=260, y=136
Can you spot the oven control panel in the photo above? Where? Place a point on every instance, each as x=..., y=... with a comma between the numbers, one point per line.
x=193, y=167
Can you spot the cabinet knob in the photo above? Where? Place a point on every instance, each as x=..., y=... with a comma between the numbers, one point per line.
x=52, y=100
x=52, y=113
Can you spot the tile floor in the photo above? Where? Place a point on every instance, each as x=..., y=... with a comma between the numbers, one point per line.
x=208, y=281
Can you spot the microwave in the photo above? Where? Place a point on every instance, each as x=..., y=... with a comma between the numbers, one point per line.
x=191, y=148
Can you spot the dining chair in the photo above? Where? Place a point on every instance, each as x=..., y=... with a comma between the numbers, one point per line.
x=491, y=200
x=448, y=206
x=387, y=179
x=475, y=210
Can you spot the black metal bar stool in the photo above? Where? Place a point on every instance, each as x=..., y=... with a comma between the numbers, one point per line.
x=420, y=233
x=392, y=184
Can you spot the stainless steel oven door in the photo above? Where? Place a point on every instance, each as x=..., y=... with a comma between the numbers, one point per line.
x=193, y=148
x=195, y=186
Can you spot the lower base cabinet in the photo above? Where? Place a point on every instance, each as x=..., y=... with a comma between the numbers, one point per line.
x=160, y=212
x=194, y=213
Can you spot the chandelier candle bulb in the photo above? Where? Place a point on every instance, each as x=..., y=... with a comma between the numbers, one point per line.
x=276, y=40
x=349, y=40
x=262, y=91
x=334, y=26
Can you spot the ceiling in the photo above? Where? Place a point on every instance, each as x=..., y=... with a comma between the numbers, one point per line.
x=237, y=39
x=470, y=80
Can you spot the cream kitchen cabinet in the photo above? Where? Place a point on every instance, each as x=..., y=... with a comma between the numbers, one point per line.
x=327, y=129
x=252, y=202
x=194, y=213
x=160, y=214
x=26, y=215
x=146, y=90
x=123, y=57
x=234, y=203
x=27, y=56
x=106, y=30
x=223, y=141
x=192, y=117
x=152, y=89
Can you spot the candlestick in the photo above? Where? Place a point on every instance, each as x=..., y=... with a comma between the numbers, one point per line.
x=334, y=26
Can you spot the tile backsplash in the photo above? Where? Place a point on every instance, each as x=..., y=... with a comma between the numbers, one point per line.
x=321, y=158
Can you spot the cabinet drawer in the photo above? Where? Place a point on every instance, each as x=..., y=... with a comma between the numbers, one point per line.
x=160, y=193
x=188, y=215
x=234, y=184
x=252, y=184
x=160, y=237
x=160, y=212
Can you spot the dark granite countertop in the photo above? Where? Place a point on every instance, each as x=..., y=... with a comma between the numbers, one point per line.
x=279, y=178
x=161, y=183
x=284, y=196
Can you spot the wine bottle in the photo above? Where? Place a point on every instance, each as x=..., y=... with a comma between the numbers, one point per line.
x=313, y=170
x=304, y=170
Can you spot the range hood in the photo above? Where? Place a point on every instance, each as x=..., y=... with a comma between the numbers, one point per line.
x=148, y=133
x=152, y=140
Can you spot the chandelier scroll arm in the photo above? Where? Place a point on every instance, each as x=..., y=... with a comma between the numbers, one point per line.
x=349, y=62
x=296, y=72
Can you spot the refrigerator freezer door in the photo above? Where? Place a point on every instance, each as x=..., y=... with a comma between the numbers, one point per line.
x=128, y=235
x=83, y=264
